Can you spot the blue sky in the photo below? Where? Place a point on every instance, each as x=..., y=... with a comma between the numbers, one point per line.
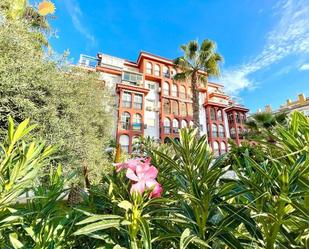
x=265, y=43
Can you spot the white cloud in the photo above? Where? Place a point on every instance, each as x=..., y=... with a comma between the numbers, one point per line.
x=289, y=36
x=77, y=16
x=304, y=67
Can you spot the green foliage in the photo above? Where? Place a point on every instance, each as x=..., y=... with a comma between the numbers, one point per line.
x=260, y=125
x=20, y=164
x=70, y=104
x=277, y=188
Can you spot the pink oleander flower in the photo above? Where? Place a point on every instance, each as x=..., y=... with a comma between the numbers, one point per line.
x=143, y=176
x=131, y=164
x=157, y=191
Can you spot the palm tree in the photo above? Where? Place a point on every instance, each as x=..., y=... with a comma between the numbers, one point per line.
x=261, y=124
x=197, y=64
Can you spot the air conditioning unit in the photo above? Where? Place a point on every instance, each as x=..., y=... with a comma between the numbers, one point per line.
x=145, y=126
x=148, y=108
x=156, y=109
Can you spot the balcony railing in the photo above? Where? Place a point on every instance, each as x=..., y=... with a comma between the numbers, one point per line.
x=166, y=75
x=157, y=72
x=233, y=136
x=137, y=126
x=126, y=104
x=221, y=134
x=111, y=61
x=216, y=152
x=125, y=125
x=87, y=61
x=182, y=95
x=125, y=148
x=137, y=105
x=214, y=134
x=174, y=93
x=167, y=130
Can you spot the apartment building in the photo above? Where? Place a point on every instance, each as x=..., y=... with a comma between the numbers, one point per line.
x=151, y=103
x=301, y=104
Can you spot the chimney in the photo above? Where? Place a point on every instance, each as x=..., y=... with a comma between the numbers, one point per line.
x=301, y=98
x=288, y=102
x=268, y=108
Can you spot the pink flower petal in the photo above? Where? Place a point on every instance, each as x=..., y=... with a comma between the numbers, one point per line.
x=157, y=191
x=131, y=175
x=138, y=187
x=151, y=173
x=150, y=183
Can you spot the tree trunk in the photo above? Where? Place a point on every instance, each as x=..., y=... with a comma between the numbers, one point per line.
x=195, y=104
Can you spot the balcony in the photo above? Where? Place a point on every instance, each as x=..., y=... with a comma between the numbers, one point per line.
x=214, y=134
x=124, y=148
x=167, y=130
x=137, y=126
x=233, y=136
x=125, y=125
x=221, y=134
x=166, y=75
x=182, y=95
x=174, y=93
x=87, y=61
x=111, y=61
x=126, y=104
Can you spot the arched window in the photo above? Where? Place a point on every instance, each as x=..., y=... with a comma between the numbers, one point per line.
x=126, y=100
x=166, y=106
x=175, y=107
x=174, y=90
x=136, y=144
x=221, y=131
x=219, y=115
x=182, y=92
x=175, y=125
x=166, y=72
x=191, y=124
x=190, y=111
x=183, y=109
x=166, y=88
x=148, y=68
x=137, y=122
x=167, y=125
x=125, y=121
x=167, y=140
x=124, y=141
x=216, y=148
x=212, y=114
x=184, y=123
x=157, y=70
x=233, y=132
x=214, y=130
x=223, y=148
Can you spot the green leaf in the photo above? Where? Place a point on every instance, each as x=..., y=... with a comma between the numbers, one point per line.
x=145, y=231
x=98, y=226
x=126, y=205
x=14, y=241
